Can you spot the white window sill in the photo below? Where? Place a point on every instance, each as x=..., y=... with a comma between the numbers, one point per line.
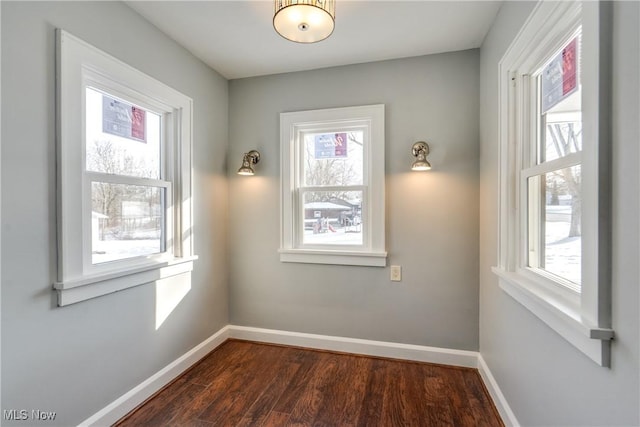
x=87, y=287
x=560, y=316
x=367, y=259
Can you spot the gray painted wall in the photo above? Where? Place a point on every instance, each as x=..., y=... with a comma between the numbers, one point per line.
x=544, y=378
x=75, y=360
x=432, y=218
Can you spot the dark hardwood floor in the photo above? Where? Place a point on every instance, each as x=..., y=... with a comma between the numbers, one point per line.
x=250, y=384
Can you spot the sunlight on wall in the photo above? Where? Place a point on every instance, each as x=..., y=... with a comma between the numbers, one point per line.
x=169, y=293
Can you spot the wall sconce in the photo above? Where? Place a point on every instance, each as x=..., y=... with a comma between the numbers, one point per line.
x=248, y=160
x=420, y=150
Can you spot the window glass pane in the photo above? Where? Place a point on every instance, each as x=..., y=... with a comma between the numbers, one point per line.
x=332, y=217
x=562, y=137
x=126, y=221
x=121, y=138
x=560, y=104
x=333, y=158
x=555, y=243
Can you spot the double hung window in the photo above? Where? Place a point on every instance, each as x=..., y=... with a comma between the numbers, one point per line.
x=333, y=186
x=126, y=178
x=554, y=242
x=124, y=175
x=551, y=169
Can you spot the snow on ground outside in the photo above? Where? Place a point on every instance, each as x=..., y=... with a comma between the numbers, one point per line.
x=112, y=250
x=562, y=255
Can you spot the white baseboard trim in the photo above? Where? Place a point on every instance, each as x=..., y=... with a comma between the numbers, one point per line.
x=418, y=353
x=134, y=397
x=508, y=417
x=469, y=359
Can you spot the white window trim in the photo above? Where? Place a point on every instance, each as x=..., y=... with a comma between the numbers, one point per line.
x=582, y=319
x=77, y=64
x=372, y=252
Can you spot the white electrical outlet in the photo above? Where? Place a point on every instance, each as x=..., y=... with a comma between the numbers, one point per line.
x=396, y=273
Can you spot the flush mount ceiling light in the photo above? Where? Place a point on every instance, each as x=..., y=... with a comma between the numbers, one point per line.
x=304, y=21
x=420, y=150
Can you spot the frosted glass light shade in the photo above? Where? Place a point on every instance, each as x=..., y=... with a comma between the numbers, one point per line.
x=304, y=21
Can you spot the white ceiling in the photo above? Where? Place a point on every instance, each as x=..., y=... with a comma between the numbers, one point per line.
x=237, y=39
